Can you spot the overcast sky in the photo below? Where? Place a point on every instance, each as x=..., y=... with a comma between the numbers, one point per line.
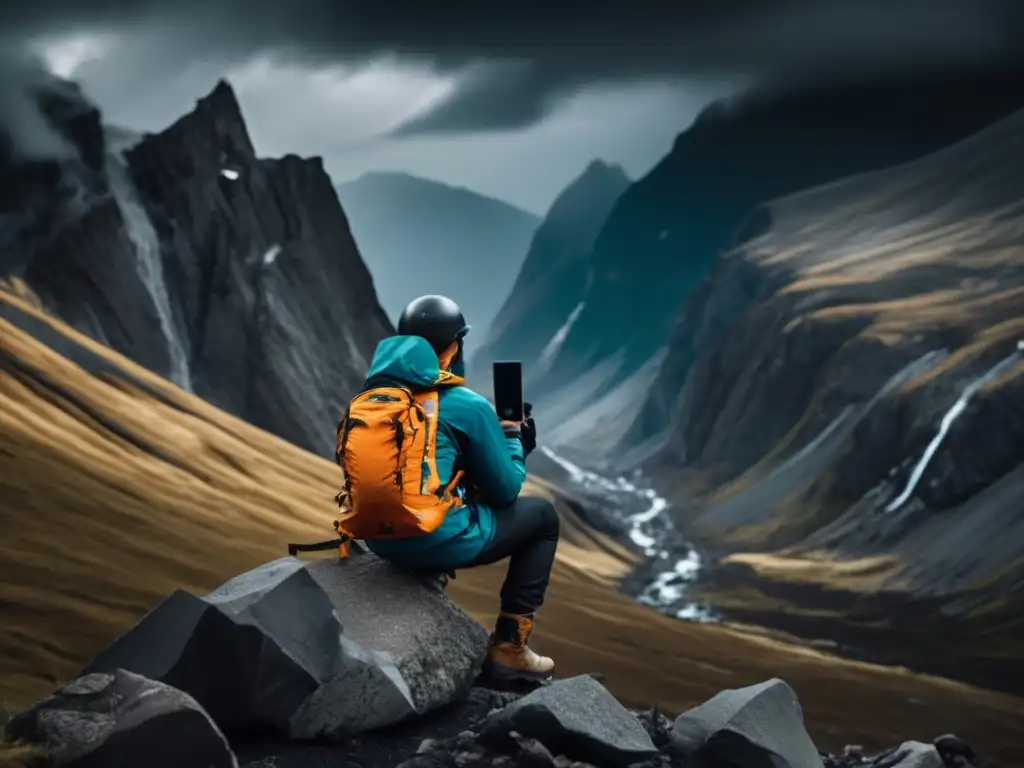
x=510, y=99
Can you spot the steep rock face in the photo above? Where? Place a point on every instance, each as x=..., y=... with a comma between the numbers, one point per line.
x=420, y=236
x=235, y=277
x=664, y=233
x=547, y=294
x=855, y=372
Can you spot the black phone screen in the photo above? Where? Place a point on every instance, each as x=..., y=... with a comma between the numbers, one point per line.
x=508, y=390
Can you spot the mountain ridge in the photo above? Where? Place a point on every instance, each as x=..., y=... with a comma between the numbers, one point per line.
x=425, y=183
x=553, y=277
x=668, y=228
x=471, y=245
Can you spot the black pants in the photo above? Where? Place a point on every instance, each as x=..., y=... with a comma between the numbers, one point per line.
x=527, y=534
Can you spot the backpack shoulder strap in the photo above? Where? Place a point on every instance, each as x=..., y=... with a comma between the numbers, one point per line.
x=448, y=379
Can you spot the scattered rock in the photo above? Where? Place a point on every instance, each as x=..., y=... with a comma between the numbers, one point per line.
x=955, y=753
x=946, y=751
x=305, y=650
x=760, y=725
x=447, y=731
x=576, y=717
x=658, y=727
x=123, y=719
x=452, y=737
x=910, y=754
x=532, y=752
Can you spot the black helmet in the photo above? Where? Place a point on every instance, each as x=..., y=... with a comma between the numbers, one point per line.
x=437, y=319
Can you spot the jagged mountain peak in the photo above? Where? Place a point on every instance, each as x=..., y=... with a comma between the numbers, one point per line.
x=210, y=266
x=215, y=125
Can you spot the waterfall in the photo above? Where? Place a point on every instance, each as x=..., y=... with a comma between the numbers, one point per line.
x=561, y=334
x=149, y=264
x=947, y=421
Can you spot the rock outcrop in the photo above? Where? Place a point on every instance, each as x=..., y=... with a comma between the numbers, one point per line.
x=235, y=277
x=572, y=723
x=103, y=720
x=761, y=724
x=325, y=649
x=577, y=718
x=756, y=727
x=419, y=236
x=355, y=662
x=667, y=229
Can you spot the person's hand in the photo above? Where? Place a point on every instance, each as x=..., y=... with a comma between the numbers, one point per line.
x=515, y=426
x=528, y=435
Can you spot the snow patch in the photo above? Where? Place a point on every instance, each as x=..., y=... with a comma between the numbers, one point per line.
x=271, y=255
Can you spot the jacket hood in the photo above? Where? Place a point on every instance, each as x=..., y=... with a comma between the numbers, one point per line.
x=408, y=359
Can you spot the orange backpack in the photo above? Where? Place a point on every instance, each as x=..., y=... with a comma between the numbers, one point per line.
x=387, y=443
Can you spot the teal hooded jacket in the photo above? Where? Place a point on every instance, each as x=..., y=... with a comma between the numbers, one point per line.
x=469, y=437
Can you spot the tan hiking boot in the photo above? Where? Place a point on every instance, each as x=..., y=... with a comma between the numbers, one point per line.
x=509, y=657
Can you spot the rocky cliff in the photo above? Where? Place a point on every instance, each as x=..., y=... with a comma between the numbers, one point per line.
x=665, y=231
x=547, y=294
x=849, y=379
x=234, y=276
x=470, y=246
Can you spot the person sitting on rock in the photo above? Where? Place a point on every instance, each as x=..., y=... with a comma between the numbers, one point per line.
x=432, y=477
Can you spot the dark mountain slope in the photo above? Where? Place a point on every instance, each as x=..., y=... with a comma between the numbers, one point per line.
x=665, y=232
x=234, y=276
x=555, y=275
x=842, y=403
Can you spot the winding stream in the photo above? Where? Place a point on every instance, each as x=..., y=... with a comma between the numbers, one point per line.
x=642, y=512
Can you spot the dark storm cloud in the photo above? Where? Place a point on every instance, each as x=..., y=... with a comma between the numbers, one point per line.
x=522, y=57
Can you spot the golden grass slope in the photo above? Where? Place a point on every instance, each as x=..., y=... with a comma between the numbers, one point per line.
x=934, y=243
x=116, y=488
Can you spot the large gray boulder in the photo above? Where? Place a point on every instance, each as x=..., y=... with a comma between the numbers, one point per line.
x=576, y=717
x=327, y=648
x=760, y=726
x=101, y=721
